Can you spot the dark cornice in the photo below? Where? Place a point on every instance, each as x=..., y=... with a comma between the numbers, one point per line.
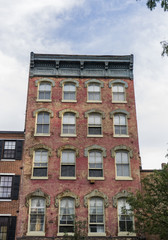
x=57, y=65
x=11, y=132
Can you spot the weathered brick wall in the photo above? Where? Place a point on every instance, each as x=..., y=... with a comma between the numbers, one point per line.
x=81, y=186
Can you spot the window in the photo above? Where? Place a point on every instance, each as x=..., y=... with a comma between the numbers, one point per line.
x=11, y=150
x=120, y=124
x=43, y=123
x=7, y=228
x=44, y=92
x=69, y=124
x=94, y=92
x=66, y=215
x=118, y=93
x=94, y=124
x=125, y=218
x=40, y=164
x=37, y=215
x=68, y=163
x=122, y=164
x=95, y=164
x=69, y=91
x=9, y=187
x=5, y=186
x=96, y=215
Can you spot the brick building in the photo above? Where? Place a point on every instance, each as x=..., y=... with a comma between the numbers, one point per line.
x=81, y=155
x=11, y=144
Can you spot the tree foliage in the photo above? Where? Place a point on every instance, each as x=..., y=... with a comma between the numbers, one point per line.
x=79, y=231
x=150, y=205
x=151, y=4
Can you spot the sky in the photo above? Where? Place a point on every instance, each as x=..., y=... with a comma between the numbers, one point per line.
x=100, y=27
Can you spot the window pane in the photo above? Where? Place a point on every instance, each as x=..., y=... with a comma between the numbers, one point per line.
x=122, y=120
x=45, y=90
x=69, y=118
x=67, y=171
x=94, y=119
x=94, y=130
x=40, y=172
x=95, y=173
x=68, y=156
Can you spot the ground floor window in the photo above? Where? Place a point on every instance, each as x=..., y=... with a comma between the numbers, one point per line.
x=7, y=228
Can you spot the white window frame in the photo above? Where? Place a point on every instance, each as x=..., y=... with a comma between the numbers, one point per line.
x=70, y=164
x=68, y=134
x=42, y=134
x=14, y=150
x=124, y=233
x=59, y=218
x=89, y=223
x=36, y=233
x=6, y=186
x=34, y=167
x=93, y=84
x=63, y=91
x=118, y=177
x=38, y=92
x=100, y=177
x=120, y=125
x=117, y=93
x=94, y=125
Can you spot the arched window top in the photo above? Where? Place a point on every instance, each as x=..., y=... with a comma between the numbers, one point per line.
x=96, y=193
x=121, y=148
x=94, y=81
x=69, y=81
x=94, y=111
x=40, y=146
x=119, y=111
x=67, y=147
x=43, y=110
x=67, y=194
x=95, y=147
x=62, y=112
x=45, y=80
x=38, y=193
x=122, y=194
x=118, y=81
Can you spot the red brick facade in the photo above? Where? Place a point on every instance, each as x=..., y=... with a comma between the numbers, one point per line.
x=11, y=144
x=109, y=188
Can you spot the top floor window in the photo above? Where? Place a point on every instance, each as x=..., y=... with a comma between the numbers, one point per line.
x=44, y=92
x=69, y=91
x=44, y=89
x=11, y=150
x=118, y=93
x=118, y=90
x=94, y=92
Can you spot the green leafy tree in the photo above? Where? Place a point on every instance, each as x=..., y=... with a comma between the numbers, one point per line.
x=151, y=4
x=150, y=205
x=79, y=231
